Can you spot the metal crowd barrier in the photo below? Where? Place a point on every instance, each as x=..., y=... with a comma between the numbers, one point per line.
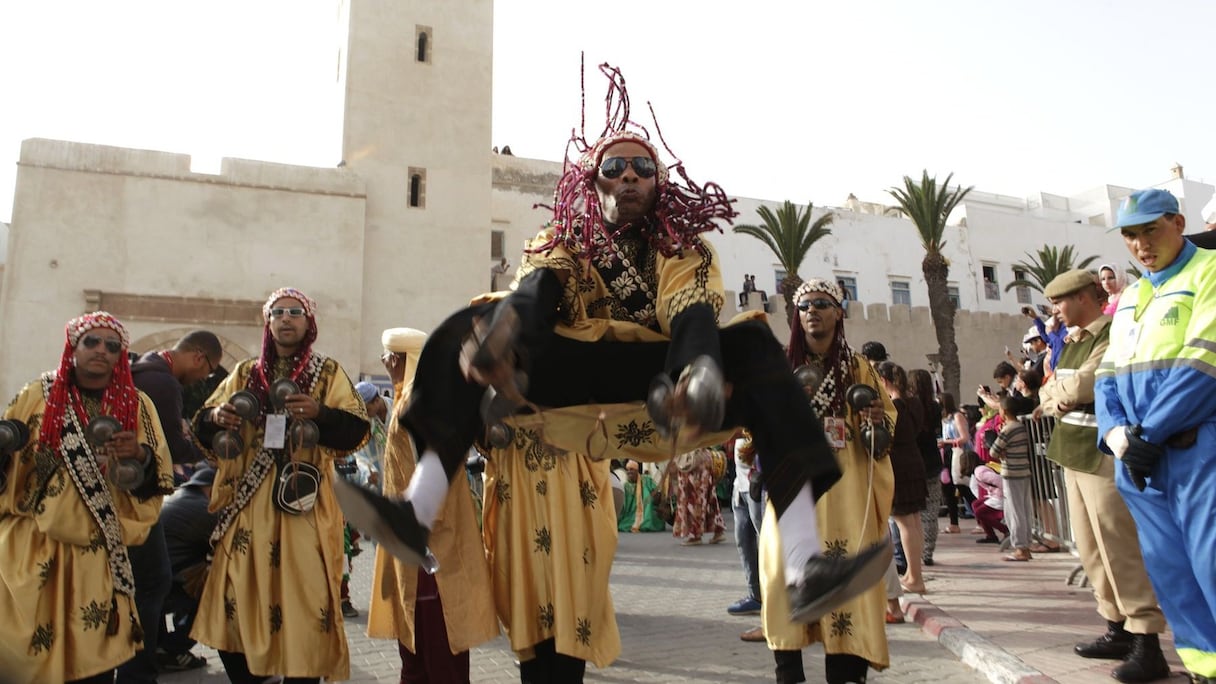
x=1051, y=518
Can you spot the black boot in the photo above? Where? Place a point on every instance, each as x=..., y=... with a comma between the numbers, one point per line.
x=1145, y=663
x=828, y=582
x=390, y=522
x=1114, y=645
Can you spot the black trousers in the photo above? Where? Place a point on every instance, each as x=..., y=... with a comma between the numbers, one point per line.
x=237, y=669
x=153, y=578
x=443, y=412
x=551, y=667
x=838, y=668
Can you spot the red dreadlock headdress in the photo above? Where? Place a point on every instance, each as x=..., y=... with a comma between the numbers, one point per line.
x=120, y=398
x=682, y=209
x=259, y=377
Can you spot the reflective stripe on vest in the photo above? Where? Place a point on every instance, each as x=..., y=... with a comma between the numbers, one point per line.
x=1080, y=418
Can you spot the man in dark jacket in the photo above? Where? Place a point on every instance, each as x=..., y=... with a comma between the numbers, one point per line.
x=161, y=375
x=187, y=525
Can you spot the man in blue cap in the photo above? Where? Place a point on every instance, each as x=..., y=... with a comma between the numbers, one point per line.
x=1155, y=396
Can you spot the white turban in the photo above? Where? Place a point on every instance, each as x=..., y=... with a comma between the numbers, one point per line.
x=402, y=340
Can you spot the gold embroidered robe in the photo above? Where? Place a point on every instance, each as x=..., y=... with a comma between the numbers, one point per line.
x=854, y=507
x=56, y=587
x=273, y=589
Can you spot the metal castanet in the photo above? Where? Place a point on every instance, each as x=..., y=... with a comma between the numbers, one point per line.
x=810, y=377
x=874, y=436
x=302, y=434
x=14, y=435
x=101, y=429
x=279, y=391
x=246, y=405
x=227, y=445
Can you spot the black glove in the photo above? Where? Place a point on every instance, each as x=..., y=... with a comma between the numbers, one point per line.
x=1140, y=457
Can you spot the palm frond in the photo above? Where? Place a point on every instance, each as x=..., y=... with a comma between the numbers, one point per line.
x=1045, y=264
x=788, y=233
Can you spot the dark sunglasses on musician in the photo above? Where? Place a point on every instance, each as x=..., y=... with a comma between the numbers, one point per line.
x=613, y=167
x=91, y=342
x=819, y=304
x=279, y=312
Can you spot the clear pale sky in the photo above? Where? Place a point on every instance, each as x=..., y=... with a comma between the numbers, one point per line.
x=805, y=101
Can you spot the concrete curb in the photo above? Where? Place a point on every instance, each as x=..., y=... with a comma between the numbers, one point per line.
x=997, y=664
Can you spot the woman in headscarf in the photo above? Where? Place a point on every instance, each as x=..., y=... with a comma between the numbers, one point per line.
x=1113, y=281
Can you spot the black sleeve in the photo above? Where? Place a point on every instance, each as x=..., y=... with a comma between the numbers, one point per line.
x=150, y=487
x=340, y=429
x=694, y=331
x=167, y=398
x=204, y=427
x=535, y=301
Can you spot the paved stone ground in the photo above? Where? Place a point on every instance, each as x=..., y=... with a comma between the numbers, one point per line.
x=671, y=607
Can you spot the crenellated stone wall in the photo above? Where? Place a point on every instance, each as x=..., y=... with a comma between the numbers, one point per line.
x=908, y=334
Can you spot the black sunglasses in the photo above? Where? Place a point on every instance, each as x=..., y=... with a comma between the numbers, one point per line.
x=294, y=312
x=91, y=341
x=819, y=303
x=613, y=167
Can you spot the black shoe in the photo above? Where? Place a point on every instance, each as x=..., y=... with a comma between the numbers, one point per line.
x=928, y=562
x=1145, y=663
x=987, y=540
x=1115, y=644
x=828, y=582
x=391, y=522
x=348, y=610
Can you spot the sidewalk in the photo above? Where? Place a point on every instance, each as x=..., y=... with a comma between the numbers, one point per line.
x=1014, y=622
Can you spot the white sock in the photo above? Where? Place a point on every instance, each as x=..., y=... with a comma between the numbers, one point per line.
x=428, y=488
x=799, y=534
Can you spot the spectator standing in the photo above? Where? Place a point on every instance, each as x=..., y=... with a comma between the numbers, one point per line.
x=1012, y=448
x=955, y=437
x=1052, y=331
x=497, y=271
x=69, y=509
x=1156, y=407
x=747, y=502
x=920, y=388
x=697, y=508
x=909, y=470
x=162, y=375
x=1112, y=280
x=1104, y=530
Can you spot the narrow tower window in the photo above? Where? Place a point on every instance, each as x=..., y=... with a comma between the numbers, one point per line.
x=422, y=40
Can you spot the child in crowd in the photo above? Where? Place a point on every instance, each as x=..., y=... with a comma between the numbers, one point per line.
x=989, y=504
x=1012, y=448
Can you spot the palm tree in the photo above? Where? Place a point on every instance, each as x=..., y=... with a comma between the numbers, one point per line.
x=789, y=233
x=928, y=206
x=1044, y=266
